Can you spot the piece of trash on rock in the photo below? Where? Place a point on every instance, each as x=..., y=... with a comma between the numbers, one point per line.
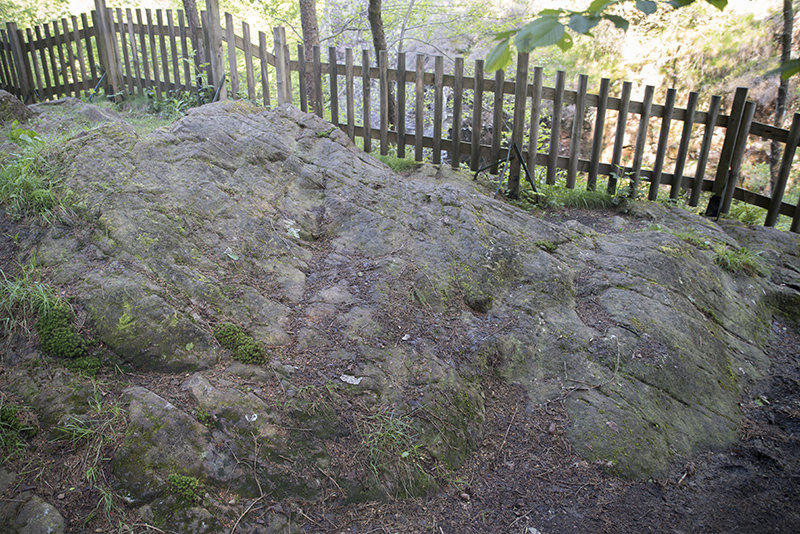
x=350, y=379
x=251, y=418
x=405, y=337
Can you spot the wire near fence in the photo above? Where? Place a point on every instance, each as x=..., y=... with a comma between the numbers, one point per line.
x=133, y=52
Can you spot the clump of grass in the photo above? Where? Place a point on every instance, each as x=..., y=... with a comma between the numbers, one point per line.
x=13, y=430
x=393, y=452
x=30, y=185
x=558, y=196
x=747, y=214
x=399, y=164
x=242, y=346
x=741, y=260
x=24, y=297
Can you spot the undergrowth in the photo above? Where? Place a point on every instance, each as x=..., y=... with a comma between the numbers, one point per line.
x=742, y=260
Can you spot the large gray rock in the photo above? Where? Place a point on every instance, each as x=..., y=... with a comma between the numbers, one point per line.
x=274, y=221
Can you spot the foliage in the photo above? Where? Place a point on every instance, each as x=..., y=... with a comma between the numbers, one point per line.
x=741, y=260
x=57, y=335
x=85, y=366
x=22, y=136
x=13, y=431
x=23, y=297
x=393, y=451
x=559, y=196
x=399, y=164
x=176, y=104
x=186, y=488
x=550, y=26
x=242, y=346
x=27, y=13
x=746, y=213
x=30, y=185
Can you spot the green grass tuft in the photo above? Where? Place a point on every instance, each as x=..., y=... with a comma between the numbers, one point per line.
x=399, y=164
x=741, y=260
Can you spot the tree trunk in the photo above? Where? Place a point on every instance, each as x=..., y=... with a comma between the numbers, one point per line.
x=379, y=40
x=190, y=7
x=780, y=103
x=308, y=19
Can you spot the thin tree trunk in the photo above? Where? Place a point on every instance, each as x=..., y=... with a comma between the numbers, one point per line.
x=780, y=103
x=379, y=40
x=190, y=7
x=308, y=19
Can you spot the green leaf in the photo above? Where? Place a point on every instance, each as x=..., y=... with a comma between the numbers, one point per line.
x=787, y=70
x=680, y=3
x=582, y=24
x=544, y=31
x=719, y=4
x=500, y=56
x=600, y=5
x=618, y=21
x=548, y=12
x=648, y=7
x=565, y=43
x=506, y=34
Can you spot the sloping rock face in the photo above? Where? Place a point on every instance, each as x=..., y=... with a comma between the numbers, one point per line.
x=413, y=287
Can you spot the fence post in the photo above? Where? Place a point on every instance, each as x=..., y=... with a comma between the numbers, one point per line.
x=737, y=155
x=458, y=90
x=216, y=62
x=20, y=61
x=106, y=46
x=724, y=166
x=783, y=173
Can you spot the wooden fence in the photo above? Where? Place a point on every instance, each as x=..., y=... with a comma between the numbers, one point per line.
x=131, y=53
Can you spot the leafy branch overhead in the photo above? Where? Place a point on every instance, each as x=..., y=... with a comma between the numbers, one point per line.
x=555, y=26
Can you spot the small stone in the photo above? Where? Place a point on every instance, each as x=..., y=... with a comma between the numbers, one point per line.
x=464, y=497
x=61, y=496
x=552, y=428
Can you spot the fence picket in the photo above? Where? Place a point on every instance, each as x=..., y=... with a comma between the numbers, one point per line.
x=599, y=130
x=184, y=38
x=458, y=90
x=783, y=175
x=333, y=74
x=419, y=93
x=383, y=84
x=248, y=62
x=68, y=40
x=737, y=155
x=365, y=89
x=641, y=138
x=317, y=58
x=497, y=118
x=577, y=130
x=705, y=148
x=262, y=56
x=5, y=82
x=617, y=170
x=42, y=45
x=233, y=68
x=477, y=117
x=663, y=140
x=536, y=113
x=62, y=62
x=8, y=64
x=126, y=59
x=34, y=62
x=438, y=108
x=162, y=47
x=302, y=75
x=401, y=105
x=683, y=148
x=555, y=129
x=154, y=56
x=735, y=118
x=143, y=51
x=173, y=48
x=350, y=96
x=87, y=39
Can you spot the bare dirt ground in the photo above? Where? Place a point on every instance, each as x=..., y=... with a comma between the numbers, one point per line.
x=524, y=478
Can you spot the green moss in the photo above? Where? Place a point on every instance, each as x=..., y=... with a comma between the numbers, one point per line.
x=242, y=346
x=57, y=335
x=187, y=489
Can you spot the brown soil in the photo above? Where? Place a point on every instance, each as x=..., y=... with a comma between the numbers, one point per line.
x=524, y=478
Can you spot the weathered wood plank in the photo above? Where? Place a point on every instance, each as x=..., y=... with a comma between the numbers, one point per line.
x=367, y=109
x=318, y=101
x=136, y=69
x=577, y=131
x=458, y=94
x=738, y=155
x=617, y=171
x=737, y=109
x=88, y=46
x=683, y=148
x=705, y=148
x=126, y=58
x=383, y=80
x=419, y=92
x=214, y=54
x=302, y=75
x=597, y=137
x=247, y=48
x=497, y=118
x=262, y=56
x=401, y=105
x=52, y=47
x=438, y=108
x=173, y=48
x=37, y=71
x=281, y=74
x=641, y=139
x=333, y=83
x=183, y=32
x=477, y=117
x=783, y=176
x=233, y=65
x=555, y=130
x=153, y=53
x=520, y=101
x=164, y=55
x=47, y=90
x=663, y=142
x=76, y=84
x=349, y=84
